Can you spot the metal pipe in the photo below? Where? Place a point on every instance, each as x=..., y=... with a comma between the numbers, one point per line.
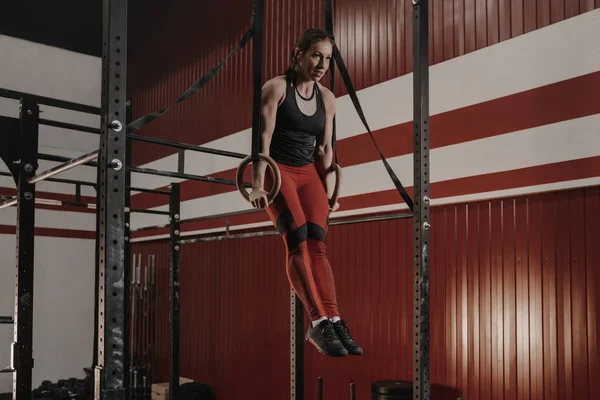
x=58, y=180
x=339, y=221
x=143, y=211
x=64, y=167
x=345, y=221
x=223, y=215
x=169, y=174
x=62, y=159
x=149, y=228
x=197, y=219
x=67, y=125
x=49, y=202
x=144, y=190
x=8, y=203
x=352, y=391
x=185, y=146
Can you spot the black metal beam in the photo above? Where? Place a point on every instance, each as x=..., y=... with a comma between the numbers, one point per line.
x=67, y=105
x=10, y=131
x=169, y=174
x=111, y=378
x=421, y=390
x=174, y=299
x=59, y=180
x=185, y=146
x=144, y=211
x=66, y=166
x=7, y=320
x=128, y=270
x=296, y=347
x=23, y=314
x=73, y=127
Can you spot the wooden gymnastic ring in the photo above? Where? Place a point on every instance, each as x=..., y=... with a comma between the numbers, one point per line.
x=338, y=181
x=239, y=177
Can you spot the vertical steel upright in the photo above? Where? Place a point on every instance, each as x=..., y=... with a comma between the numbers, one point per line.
x=421, y=200
x=110, y=375
x=22, y=346
x=296, y=347
x=174, y=299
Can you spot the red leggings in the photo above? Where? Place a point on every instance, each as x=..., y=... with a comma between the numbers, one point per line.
x=300, y=212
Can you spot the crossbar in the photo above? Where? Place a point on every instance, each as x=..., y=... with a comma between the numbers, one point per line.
x=64, y=167
x=185, y=146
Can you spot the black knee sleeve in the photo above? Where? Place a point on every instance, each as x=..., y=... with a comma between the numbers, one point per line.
x=315, y=232
x=296, y=236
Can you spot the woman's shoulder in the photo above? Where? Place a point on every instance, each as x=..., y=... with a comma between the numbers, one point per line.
x=275, y=87
x=328, y=96
x=276, y=83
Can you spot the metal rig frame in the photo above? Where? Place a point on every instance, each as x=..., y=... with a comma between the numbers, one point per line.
x=112, y=328
x=19, y=151
x=111, y=377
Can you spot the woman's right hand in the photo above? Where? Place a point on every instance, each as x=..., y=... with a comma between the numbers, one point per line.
x=258, y=198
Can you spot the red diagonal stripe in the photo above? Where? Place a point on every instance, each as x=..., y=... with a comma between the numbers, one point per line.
x=561, y=101
x=538, y=175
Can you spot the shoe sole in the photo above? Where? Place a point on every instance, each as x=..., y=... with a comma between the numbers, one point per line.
x=321, y=351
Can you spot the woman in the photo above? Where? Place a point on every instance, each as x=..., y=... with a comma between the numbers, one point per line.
x=297, y=131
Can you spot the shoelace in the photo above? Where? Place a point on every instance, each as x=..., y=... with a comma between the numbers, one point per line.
x=328, y=332
x=344, y=332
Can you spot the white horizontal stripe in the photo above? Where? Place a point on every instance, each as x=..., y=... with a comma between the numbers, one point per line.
x=49, y=71
x=53, y=219
x=579, y=183
x=554, y=53
x=567, y=140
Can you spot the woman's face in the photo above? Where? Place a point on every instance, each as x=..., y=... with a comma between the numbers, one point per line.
x=316, y=60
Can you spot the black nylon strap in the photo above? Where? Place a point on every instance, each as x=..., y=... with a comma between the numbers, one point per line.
x=348, y=82
x=257, y=55
x=329, y=11
x=146, y=119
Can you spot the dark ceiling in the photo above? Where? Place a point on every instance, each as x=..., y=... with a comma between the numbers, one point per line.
x=70, y=24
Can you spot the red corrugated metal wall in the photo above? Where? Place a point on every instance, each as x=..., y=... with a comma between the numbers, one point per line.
x=514, y=284
x=515, y=300
x=174, y=45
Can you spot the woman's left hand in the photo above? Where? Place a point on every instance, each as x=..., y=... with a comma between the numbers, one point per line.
x=334, y=208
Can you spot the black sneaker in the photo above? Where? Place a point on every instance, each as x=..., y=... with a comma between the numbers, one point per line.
x=343, y=334
x=324, y=338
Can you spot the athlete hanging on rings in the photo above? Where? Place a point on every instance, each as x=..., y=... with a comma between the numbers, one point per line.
x=297, y=131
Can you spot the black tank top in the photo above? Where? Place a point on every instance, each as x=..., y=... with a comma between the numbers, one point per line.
x=295, y=134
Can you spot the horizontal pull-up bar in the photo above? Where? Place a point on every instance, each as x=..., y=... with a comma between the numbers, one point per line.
x=59, y=180
x=49, y=202
x=63, y=159
x=145, y=211
x=150, y=171
x=185, y=146
x=67, y=105
x=67, y=125
x=340, y=221
x=64, y=167
x=145, y=190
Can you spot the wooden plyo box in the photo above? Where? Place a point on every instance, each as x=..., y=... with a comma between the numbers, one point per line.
x=160, y=391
